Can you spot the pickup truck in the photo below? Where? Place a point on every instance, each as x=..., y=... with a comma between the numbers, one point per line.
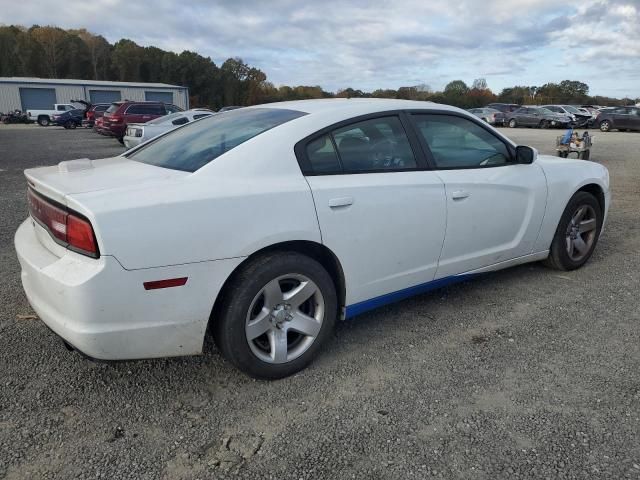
x=45, y=117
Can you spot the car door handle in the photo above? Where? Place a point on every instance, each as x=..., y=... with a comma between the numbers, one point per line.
x=459, y=195
x=340, y=202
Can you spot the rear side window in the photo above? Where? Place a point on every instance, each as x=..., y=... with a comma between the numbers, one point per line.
x=145, y=109
x=113, y=107
x=193, y=146
x=457, y=142
x=323, y=157
x=180, y=121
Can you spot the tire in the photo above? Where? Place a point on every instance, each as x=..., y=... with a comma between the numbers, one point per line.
x=544, y=124
x=586, y=155
x=44, y=121
x=560, y=257
x=121, y=140
x=239, y=334
x=605, y=126
x=513, y=123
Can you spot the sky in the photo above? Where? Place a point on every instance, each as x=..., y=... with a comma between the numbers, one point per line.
x=379, y=43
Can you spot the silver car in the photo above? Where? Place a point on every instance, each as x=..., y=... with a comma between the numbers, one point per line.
x=137, y=133
x=489, y=115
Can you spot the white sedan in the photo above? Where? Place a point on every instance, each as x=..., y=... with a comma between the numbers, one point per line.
x=266, y=225
x=136, y=133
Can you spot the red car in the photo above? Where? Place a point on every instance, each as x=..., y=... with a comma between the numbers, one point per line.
x=120, y=114
x=93, y=113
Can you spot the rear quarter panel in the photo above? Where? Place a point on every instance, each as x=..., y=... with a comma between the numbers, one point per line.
x=250, y=198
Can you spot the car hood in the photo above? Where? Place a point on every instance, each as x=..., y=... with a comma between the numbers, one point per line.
x=84, y=175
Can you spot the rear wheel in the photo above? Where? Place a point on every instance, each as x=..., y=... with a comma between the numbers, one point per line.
x=276, y=315
x=70, y=124
x=43, y=121
x=513, y=123
x=577, y=233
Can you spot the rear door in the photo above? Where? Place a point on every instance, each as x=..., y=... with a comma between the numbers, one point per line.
x=494, y=206
x=379, y=210
x=143, y=112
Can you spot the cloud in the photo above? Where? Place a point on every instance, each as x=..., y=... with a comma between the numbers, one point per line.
x=378, y=43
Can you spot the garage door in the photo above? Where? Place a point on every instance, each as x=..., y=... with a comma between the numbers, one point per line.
x=104, y=96
x=166, y=97
x=37, y=98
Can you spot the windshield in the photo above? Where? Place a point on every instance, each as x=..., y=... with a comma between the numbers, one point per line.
x=571, y=109
x=196, y=144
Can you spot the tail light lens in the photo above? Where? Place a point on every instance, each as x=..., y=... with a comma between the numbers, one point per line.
x=90, y=114
x=115, y=119
x=66, y=227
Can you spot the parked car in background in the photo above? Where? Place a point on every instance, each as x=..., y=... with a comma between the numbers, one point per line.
x=69, y=119
x=505, y=108
x=266, y=225
x=137, y=133
x=93, y=113
x=490, y=115
x=17, y=116
x=230, y=107
x=537, y=117
x=120, y=114
x=44, y=117
x=580, y=119
x=618, y=118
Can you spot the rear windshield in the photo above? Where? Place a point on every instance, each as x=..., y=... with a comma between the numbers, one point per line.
x=165, y=118
x=114, y=107
x=196, y=144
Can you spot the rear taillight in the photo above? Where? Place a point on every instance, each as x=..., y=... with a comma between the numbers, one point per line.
x=67, y=228
x=90, y=115
x=115, y=119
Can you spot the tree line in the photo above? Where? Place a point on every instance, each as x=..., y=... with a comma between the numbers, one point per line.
x=52, y=52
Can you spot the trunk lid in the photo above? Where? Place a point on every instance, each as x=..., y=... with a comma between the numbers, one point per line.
x=84, y=175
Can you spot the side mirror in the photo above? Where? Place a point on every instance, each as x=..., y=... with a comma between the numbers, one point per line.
x=526, y=155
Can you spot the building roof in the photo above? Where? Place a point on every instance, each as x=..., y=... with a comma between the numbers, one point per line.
x=93, y=83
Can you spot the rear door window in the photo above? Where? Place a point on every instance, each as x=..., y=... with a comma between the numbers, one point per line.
x=380, y=144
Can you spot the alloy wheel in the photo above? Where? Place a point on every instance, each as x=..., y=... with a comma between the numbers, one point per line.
x=581, y=232
x=284, y=318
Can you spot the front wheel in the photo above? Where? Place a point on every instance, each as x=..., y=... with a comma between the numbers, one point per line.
x=275, y=316
x=513, y=123
x=577, y=233
x=544, y=124
x=605, y=126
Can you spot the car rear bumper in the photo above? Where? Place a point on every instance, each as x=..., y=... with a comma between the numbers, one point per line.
x=104, y=311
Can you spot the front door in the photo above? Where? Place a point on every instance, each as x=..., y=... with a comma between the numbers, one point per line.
x=494, y=206
x=378, y=212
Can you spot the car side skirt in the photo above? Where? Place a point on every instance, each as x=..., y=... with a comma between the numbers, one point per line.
x=386, y=299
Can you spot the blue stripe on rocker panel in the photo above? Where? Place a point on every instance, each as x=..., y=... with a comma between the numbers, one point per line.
x=366, y=305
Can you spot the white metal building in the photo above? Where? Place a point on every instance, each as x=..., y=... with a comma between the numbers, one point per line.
x=24, y=93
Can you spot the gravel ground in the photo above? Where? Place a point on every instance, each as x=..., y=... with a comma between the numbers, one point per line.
x=526, y=373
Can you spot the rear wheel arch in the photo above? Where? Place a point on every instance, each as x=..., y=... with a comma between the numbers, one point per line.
x=314, y=250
